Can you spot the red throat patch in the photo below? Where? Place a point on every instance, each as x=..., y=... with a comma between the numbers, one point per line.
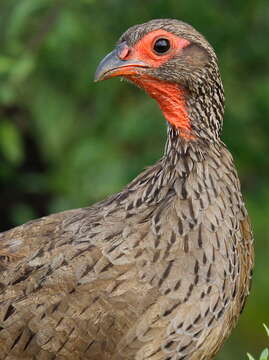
x=170, y=96
x=171, y=100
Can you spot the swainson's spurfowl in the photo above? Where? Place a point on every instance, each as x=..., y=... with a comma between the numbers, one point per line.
x=159, y=271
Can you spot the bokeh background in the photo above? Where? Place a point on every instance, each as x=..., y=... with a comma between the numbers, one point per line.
x=66, y=142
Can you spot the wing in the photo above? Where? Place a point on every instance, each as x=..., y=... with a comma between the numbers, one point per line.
x=63, y=293
x=63, y=289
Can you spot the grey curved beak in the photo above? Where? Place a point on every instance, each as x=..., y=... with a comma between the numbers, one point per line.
x=112, y=65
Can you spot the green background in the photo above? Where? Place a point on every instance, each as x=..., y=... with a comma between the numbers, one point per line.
x=66, y=142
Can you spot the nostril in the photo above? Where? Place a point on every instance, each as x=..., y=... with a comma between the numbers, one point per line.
x=123, y=50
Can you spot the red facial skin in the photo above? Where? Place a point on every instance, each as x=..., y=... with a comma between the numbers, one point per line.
x=170, y=96
x=171, y=100
x=143, y=49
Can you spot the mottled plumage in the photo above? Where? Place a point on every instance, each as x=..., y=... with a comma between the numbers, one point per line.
x=158, y=271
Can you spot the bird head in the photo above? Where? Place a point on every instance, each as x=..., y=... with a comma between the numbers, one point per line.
x=176, y=66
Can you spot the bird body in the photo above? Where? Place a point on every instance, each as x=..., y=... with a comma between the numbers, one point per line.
x=158, y=271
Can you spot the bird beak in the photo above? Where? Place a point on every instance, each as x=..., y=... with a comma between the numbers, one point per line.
x=114, y=64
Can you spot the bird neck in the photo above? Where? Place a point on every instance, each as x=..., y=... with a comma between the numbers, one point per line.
x=195, y=112
x=178, y=148
x=205, y=104
x=181, y=155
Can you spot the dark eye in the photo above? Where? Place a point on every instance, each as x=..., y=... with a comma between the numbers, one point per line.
x=161, y=46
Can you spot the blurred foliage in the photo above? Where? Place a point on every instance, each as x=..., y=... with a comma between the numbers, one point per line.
x=66, y=142
x=265, y=353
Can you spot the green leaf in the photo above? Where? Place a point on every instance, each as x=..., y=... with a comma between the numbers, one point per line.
x=250, y=357
x=266, y=329
x=264, y=355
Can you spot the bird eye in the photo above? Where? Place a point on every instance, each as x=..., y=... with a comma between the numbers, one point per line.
x=161, y=46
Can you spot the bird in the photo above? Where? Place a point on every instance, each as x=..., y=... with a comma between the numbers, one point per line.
x=160, y=270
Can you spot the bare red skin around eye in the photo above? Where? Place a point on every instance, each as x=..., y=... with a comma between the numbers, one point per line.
x=143, y=49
